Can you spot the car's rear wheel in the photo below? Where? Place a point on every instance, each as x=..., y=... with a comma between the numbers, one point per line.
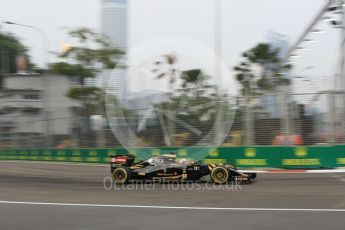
x=121, y=175
x=220, y=175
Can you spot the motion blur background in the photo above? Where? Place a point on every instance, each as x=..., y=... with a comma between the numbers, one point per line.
x=287, y=58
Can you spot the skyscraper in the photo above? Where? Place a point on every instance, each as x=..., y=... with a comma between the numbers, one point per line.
x=115, y=22
x=115, y=27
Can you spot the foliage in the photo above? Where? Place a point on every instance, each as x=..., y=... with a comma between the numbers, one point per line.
x=195, y=82
x=261, y=70
x=72, y=70
x=191, y=107
x=90, y=96
x=10, y=48
x=11, y=42
x=84, y=93
x=166, y=68
x=92, y=55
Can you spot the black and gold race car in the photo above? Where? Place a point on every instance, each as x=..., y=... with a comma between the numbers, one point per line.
x=166, y=167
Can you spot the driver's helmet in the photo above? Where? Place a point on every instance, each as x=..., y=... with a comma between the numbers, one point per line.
x=150, y=160
x=183, y=161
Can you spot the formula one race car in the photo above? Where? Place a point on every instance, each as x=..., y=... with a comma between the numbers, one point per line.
x=166, y=167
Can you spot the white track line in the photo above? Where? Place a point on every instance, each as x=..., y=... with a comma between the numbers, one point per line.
x=338, y=177
x=171, y=207
x=326, y=171
x=295, y=171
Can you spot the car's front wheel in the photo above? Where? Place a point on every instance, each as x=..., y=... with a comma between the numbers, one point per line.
x=121, y=175
x=220, y=175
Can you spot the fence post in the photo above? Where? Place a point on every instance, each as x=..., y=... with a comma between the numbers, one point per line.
x=248, y=121
x=331, y=117
x=285, y=120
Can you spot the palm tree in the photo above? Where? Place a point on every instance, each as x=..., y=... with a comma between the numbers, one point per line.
x=260, y=71
x=171, y=73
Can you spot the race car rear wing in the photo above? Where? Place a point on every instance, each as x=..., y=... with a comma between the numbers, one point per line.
x=125, y=160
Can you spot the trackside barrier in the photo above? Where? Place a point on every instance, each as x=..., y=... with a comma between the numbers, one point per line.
x=289, y=157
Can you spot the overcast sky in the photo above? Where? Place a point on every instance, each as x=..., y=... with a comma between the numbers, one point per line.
x=245, y=23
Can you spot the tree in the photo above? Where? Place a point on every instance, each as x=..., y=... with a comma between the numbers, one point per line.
x=261, y=70
x=167, y=68
x=194, y=81
x=10, y=49
x=191, y=105
x=92, y=96
x=93, y=54
x=85, y=60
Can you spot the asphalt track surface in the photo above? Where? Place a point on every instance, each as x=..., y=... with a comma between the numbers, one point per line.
x=59, y=196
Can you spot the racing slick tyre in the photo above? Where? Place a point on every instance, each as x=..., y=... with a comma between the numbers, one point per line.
x=220, y=175
x=121, y=175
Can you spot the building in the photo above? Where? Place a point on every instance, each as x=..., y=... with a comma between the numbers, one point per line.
x=115, y=22
x=115, y=27
x=23, y=110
